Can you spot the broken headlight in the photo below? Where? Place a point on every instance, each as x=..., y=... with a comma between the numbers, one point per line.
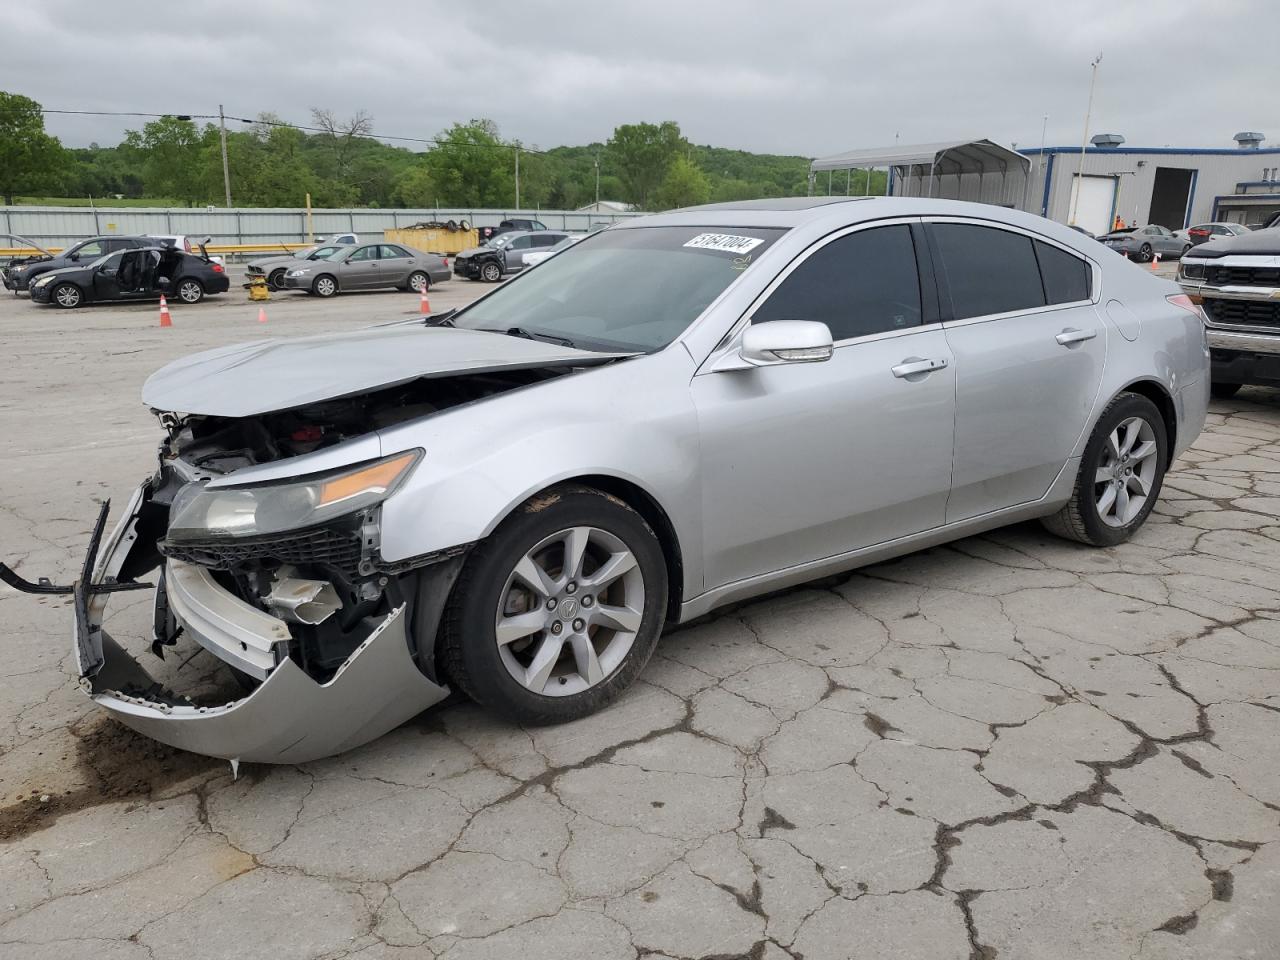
x=199, y=512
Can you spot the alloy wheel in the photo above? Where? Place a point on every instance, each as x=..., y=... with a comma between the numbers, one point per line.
x=569, y=611
x=190, y=292
x=326, y=287
x=1126, y=475
x=67, y=296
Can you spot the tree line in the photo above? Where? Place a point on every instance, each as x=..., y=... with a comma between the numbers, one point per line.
x=340, y=163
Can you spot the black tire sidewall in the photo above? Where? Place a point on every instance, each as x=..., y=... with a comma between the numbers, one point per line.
x=1146, y=253
x=491, y=268
x=275, y=279
x=1122, y=408
x=470, y=620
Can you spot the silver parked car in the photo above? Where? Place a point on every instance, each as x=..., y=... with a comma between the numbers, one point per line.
x=368, y=266
x=275, y=266
x=514, y=499
x=1144, y=244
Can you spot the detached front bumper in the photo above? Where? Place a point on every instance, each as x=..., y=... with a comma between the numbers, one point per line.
x=289, y=717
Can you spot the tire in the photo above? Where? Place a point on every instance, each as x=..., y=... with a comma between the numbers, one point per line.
x=190, y=291
x=1145, y=253
x=67, y=296
x=419, y=282
x=568, y=658
x=1185, y=248
x=1225, y=391
x=324, y=286
x=490, y=272
x=275, y=279
x=1083, y=518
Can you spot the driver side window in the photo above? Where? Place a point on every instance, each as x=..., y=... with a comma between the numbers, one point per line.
x=860, y=284
x=90, y=250
x=364, y=253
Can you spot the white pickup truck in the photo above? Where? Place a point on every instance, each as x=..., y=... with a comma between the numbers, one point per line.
x=1236, y=281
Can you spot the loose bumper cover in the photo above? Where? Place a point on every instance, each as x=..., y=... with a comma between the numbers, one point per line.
x=288, y=717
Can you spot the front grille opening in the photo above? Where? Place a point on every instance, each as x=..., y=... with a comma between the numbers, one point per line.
x=1220, y=276
x=1244, y=313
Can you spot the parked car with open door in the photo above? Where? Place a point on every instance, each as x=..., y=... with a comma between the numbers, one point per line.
x=134, y=274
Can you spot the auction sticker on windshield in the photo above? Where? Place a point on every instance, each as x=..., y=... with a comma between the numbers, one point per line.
x=727, y=242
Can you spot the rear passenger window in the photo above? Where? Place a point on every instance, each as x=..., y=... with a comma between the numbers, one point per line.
x=860, y=284
x=988, y=270
x=1066, y=276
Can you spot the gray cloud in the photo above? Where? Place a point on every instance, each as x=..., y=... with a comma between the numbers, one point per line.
x=810, y=78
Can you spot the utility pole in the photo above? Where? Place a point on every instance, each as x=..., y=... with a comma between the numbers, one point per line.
x=1075, y=200
x=1040, y=158
x=597, y=181
x=226, y=170
x=517, y=177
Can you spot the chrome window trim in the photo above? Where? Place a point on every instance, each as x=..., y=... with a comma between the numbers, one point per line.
x=735, y=331
x=1095, y=285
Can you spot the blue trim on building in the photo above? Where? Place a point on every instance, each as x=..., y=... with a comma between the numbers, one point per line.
x=1191, y=198
x=1239, y=196
x=1211, y=151
x=1048, y=179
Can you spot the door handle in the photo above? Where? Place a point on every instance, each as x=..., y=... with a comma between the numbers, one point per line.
x=912, y=366
x=1069, y=336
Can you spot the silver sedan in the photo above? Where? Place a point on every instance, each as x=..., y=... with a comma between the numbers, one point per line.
x=368, y=266
x=513, y=500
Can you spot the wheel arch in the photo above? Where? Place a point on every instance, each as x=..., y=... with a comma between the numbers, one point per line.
x=1156, y=392
x=337, y=285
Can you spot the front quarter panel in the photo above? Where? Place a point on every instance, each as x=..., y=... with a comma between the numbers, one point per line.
x=632, y=420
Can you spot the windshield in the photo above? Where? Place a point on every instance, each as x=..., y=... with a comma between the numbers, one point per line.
x=500, y=241
x=315, y=252
x=634, y=289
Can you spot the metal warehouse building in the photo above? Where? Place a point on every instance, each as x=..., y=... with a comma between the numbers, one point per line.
x=1172, y=186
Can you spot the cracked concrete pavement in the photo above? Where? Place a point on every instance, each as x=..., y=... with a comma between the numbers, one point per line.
x=1009, y=747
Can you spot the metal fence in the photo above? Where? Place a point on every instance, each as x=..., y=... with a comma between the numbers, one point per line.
x=60, y=226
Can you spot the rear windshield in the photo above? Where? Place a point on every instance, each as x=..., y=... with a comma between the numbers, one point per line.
x=633, y=289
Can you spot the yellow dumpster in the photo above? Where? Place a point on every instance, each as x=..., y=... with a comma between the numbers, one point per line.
x=434, y=239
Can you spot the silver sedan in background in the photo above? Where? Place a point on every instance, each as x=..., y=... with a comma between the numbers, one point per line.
x=276, y=266
x=677, y=413
x=368, y=266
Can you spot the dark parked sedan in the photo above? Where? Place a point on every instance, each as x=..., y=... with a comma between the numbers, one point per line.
x=133, y=275
x=20, y=276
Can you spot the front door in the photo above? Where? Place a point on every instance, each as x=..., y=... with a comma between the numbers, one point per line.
x=1029, y=347
x=811, y=460
x=361, y=269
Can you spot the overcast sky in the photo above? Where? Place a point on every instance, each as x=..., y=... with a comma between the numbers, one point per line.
x=807, y=78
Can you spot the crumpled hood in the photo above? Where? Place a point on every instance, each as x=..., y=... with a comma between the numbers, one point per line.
x=266, y=375
x=471, y=252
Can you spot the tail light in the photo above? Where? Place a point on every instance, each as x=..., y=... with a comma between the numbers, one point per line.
x=446, y=260
x=217, y=267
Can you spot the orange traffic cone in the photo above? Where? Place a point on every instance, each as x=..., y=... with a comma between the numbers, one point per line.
x=165, y=319
x=1155, y=262
x=262, y=314
x=423, y=304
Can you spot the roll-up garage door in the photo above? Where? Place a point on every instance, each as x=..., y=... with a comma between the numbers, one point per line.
x=1096, y=203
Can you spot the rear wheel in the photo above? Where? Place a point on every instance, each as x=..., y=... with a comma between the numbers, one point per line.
x=1145, y=253
x=491, y=272
x=275, y=279
x=1120, y=475
x=557, y=612
x=1225, y=391
x=419, y=281
x=324, y=286
x=190, y=291
x=68, y=296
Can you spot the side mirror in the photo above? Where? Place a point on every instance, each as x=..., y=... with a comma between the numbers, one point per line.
x=779, y=342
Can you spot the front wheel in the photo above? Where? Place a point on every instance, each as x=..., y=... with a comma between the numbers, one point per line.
x=68, y=296
x=1225, y=391
x=1120, y=475
x=190, y=291
x=491, y=272
x=275, y=279
x=557, y=612
x=1185, y=248
x=324, y=286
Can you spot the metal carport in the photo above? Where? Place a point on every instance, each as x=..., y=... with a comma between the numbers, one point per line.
x=979, y=170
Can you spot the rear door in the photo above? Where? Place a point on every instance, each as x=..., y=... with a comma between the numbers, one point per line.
x=1029, y=348
x=813, y=460
x=395, y=265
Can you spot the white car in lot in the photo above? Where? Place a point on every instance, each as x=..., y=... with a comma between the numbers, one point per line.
x=537, y=256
